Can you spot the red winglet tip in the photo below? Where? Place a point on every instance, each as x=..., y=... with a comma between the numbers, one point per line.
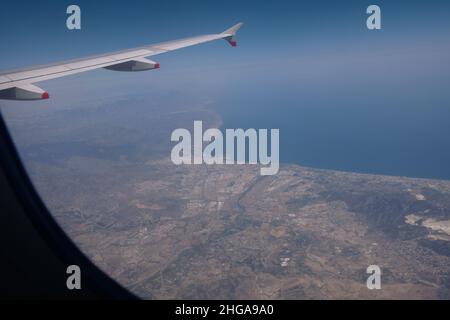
x=45, y=95
x=157, y=66
x=233, y=43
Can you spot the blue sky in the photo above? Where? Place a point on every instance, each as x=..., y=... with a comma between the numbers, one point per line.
x=318, y=38
x=35, y=32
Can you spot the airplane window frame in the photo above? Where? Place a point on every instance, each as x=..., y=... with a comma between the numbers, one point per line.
x=98, y=282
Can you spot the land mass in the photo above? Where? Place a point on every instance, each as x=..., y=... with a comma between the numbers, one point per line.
x=224, y=231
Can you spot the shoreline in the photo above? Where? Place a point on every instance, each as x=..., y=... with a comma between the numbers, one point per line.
x=284, y=164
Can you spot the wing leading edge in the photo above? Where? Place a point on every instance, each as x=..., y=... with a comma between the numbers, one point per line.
x=18, y=85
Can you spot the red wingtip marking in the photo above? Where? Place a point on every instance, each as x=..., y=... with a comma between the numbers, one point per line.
x=233, y=43
x=45, y=95
x=157, y=66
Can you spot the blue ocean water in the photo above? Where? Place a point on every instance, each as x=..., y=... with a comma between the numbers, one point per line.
x=386, y=123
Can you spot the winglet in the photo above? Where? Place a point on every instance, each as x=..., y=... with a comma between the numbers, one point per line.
x=230, y=34
x=232, y=31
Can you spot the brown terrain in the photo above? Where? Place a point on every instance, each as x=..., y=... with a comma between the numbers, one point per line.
x=225, y=231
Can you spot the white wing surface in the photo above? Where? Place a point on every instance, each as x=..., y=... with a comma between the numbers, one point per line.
x=18, y=84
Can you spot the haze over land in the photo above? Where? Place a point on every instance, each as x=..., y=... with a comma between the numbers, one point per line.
x=221, y=231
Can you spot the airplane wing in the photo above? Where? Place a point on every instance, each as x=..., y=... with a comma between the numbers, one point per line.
x=18, y=85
